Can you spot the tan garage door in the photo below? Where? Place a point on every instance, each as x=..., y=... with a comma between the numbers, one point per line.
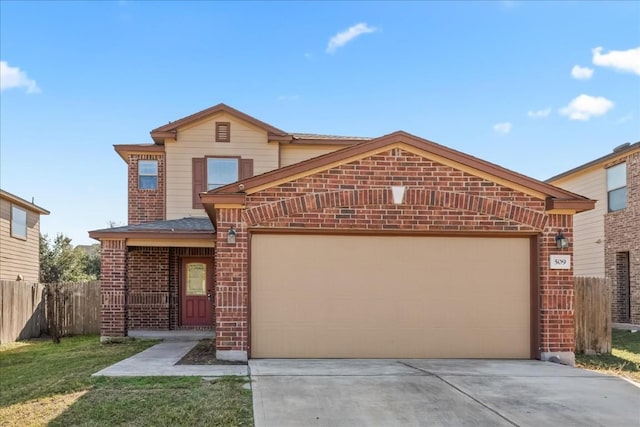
x=334, y=296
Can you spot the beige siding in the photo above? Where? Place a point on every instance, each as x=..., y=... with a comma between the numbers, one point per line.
x=588, y=226
x=18, y=256
x=290, y=154
x=247, y=141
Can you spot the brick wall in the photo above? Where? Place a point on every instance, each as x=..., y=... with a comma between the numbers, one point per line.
x=357, y=196
x=148, y=285
x=622, y=236
x=113, y=264
x=146, y=205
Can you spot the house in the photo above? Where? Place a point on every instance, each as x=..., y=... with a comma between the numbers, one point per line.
x=19, y=238
x=298, y=245
x=607, y=238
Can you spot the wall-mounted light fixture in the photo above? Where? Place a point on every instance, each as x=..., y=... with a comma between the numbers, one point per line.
x=231, y=236
x=561, y=241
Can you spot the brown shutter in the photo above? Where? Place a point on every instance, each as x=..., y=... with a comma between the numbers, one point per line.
x=246, y=168
x=198, y=180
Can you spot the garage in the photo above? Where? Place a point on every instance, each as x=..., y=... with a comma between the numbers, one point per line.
x=378, y=296
x=396, y=247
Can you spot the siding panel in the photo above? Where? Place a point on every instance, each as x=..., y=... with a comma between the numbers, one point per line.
x=247, y=142
x=290, y=154
x=19, y=256
x=588, y=227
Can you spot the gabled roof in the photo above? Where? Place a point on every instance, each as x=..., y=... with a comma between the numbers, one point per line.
x=170, y=130
x=621, y=151
x=189, y=227
x=556, y=198
x=23, y=203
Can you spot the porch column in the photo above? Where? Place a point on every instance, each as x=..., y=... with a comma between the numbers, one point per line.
x=232, y=291
x=557, y=295
x=113, y=287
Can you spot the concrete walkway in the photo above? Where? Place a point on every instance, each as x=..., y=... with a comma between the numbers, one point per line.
x=161, y=359
x=627, y=326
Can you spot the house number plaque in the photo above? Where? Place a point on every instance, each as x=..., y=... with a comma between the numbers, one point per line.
x=560, y=262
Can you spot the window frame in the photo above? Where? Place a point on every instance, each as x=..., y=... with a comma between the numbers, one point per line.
x=140, y=175
x=217, y=135
x=26, y=219
x=616, y=189
x=206, y=170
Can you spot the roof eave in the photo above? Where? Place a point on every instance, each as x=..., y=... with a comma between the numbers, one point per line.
x=575, y=205
x=23, y=203
x=151, y=234
x=597, y=162
x=159, y=136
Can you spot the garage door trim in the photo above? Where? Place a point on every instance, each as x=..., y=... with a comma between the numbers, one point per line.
x=534, y=285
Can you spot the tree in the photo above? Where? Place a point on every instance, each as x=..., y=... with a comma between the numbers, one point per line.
x=61, y=262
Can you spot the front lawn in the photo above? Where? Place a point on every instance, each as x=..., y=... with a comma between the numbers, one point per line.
x=623, y=361
x=43, y=383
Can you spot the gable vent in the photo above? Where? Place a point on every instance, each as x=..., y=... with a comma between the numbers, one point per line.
x=223, y=132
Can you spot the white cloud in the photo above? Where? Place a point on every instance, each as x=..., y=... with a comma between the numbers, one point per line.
x=584, y=107
x=503, y=128
x=13, y=77
x=308, y=56
x=621, y=60
x=346, y=36
x=538, y=114
x=581, y=73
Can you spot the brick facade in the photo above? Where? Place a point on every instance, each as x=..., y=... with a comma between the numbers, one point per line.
x=622, y=248
x=113, y=288
x=148, y=284
x=357, y=195
x=140, y=287
x=146, y=205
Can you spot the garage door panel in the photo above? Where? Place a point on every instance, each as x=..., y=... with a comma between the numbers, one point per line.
x=375, y=296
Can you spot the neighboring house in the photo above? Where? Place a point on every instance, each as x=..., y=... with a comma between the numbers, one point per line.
x=607, y=239
x=297, y=245
x=19, y=238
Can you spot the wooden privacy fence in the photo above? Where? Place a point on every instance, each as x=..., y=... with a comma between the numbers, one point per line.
x=593, y=315
x=27, y=309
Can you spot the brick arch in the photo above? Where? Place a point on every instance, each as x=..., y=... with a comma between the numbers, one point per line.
x=382, y=196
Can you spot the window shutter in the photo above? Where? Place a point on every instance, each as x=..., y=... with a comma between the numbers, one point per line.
x=223, y=132
x=246, y=168
x=198, y=180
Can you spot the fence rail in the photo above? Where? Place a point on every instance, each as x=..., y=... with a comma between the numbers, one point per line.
x=26, y=309
x=593, y=315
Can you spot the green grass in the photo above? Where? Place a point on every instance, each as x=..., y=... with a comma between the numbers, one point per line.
x=623, y=361
x=47, y=384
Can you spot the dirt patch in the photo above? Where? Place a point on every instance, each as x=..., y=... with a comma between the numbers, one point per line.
x=204, y=353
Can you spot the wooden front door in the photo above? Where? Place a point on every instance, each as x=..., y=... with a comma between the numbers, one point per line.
x=196, y=291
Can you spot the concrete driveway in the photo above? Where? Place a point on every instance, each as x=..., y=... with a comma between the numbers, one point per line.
x=416, y=392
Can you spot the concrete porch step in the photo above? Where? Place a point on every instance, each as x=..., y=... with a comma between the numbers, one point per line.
x=176, y=335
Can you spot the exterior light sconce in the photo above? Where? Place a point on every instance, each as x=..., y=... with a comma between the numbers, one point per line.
x=231, y=236
x=561, y=241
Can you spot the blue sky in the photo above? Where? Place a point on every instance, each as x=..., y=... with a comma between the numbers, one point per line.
x=520, y=84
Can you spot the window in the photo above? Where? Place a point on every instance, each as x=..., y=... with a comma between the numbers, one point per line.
x=221, y=171
x=148, y=174
x=617, y=187
x=223, y=132
x=18, y=222
x=212, y=172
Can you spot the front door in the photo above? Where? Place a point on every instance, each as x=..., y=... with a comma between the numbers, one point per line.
x=196, y=290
